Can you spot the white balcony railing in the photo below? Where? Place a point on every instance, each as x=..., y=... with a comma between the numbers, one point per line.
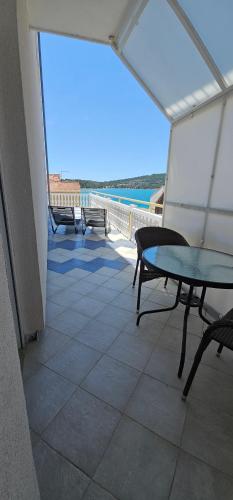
x=70, y=199
x=125, y=218
x=65, y=199
x=149, y=205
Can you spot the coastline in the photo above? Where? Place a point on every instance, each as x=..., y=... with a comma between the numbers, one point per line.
x=134, y=194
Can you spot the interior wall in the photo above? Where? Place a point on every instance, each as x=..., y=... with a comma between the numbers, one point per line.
x=30, y=71
x=199, y=201
x=17, y=474
x=16, y=176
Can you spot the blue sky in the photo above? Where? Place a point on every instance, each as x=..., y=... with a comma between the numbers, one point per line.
x=101, y=125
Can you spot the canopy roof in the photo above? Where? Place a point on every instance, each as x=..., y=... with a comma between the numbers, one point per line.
x=180, y=51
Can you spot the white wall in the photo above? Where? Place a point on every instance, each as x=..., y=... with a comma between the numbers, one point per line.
x=200, y=176
x=21, y=179
x=29, y=62
x=17, y=474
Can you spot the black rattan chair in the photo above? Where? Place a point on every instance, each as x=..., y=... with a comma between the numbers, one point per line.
x=62, y=216
x=222, y=332
x=94, y=217
x=148, y=237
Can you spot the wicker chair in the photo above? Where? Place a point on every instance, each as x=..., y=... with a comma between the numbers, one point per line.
x=94, y=217
x=63, y=216
x=147, y=237
x=222, y=332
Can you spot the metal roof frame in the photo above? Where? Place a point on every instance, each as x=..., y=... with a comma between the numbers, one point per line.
x=129, y=19
x=196, y=39
x=128, y=23
x=70, y=35
x=208, y=102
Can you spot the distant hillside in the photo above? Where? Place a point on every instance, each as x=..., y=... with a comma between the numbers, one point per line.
x=142, y=182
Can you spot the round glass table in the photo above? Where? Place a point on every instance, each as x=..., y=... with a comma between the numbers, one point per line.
x=196, y=267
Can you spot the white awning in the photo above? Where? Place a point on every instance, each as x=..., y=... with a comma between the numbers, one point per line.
x=180, y=51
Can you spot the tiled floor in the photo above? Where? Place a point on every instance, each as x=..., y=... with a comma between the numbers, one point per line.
x=103, y=397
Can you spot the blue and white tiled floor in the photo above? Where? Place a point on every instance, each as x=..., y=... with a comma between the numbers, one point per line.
x=103, y=398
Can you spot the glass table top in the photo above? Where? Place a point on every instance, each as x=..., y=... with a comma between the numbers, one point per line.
x=195, y=265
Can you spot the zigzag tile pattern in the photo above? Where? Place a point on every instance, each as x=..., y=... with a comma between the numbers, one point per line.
x=73, y=244
x=92, y=266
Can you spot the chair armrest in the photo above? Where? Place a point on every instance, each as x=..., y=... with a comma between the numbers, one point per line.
x=225, y=323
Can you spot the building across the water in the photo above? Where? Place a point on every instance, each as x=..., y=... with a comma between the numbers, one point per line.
x=58, y=185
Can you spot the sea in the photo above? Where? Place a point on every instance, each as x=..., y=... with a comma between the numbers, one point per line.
x=133, y=194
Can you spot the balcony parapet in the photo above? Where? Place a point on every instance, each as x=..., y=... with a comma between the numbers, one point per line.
x=126, y=218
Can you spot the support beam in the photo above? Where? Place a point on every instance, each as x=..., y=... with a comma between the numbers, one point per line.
x=213, y=170
x=205, y=104
x=167, y=175
x=198, y=42
x=41, y=29
x=128, y=22
x=186, y=206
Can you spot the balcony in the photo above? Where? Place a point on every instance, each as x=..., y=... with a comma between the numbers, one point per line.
x=103, y=397
x=125, y=218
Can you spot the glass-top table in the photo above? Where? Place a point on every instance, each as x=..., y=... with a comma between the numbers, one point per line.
x=196, y=267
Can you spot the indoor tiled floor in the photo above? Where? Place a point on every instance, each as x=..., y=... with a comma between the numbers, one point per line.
x=103, y=397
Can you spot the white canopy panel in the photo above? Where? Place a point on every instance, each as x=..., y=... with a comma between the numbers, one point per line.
x=180, y=50
x=192, y=157
x=164, y=56
x=222, y=188
x=198, y=201
x=213, y=21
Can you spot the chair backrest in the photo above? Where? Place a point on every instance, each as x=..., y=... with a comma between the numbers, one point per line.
x=94, y=214
x=62, y=214
x=151, y=236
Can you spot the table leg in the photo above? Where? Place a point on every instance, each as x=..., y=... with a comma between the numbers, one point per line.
x=200, y=309
x=164, y=308
x=183, y=347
